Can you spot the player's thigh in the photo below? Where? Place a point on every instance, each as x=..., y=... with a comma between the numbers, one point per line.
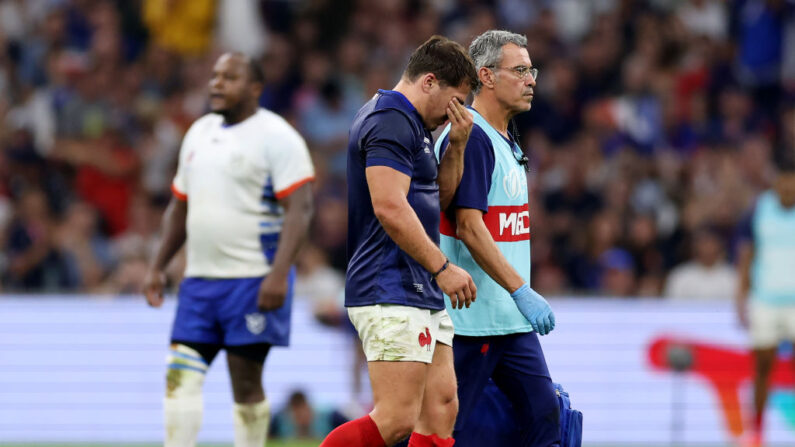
x=764, y=360
x=767, y=325
x=398, y=389
x=440, y=400
x=245, y=365
x=440, y=386
x=398, y=344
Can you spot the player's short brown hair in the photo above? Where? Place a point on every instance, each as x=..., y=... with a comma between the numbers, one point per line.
x=446, y=59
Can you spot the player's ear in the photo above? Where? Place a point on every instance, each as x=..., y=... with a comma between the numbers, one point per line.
x=427, y=81
x=486, y=77
x=256, y=89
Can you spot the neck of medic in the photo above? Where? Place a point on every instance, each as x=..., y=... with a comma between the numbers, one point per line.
x=492, y=111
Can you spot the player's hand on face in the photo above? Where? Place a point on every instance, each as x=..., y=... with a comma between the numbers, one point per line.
x=272, y=292
x=460, y=123
x=154, y=283
x=458, y=285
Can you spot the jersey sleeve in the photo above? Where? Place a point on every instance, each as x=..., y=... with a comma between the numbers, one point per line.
x=473, y=191
x=389, y=141
x=179, y=186
x=289, y=161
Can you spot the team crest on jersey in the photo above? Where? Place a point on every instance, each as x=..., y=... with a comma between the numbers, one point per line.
x=514, y=184
x=255, y=323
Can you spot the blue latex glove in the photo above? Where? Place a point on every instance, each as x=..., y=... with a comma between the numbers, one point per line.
x=535, y=308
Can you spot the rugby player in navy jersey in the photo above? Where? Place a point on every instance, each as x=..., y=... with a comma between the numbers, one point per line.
x=396, y=272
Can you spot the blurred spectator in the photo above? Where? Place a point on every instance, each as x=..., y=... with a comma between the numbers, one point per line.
x=321, y=285
x=106, y=170
x=84, y=248
x=707, y=275
x=240, y=27
x=300, y=420
x=617, y=273
x=704, y=17
x=183, y=26
x=33, y=262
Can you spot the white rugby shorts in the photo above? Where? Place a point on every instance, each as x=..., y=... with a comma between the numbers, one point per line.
x=769, y=325
x=395, y=333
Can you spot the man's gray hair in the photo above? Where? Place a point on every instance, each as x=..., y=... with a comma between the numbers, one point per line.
x=486, y=49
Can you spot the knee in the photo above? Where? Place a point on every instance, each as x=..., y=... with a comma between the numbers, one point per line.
x=185, y=373
x=399, y=428
x=247, y=390
x=448, y=405
x=397, y=424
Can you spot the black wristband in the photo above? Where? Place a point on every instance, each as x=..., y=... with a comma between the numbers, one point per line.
x=444, y=267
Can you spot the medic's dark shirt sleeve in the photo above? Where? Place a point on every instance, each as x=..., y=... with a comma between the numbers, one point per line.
x=473, y=191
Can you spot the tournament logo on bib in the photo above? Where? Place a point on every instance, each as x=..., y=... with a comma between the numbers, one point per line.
x=255, y=323
x=514, y=184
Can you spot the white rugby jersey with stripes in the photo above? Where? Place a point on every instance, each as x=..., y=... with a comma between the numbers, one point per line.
x=232, y=177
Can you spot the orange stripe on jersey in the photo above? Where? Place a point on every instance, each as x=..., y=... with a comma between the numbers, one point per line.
x=179, y=195
x=290, y=189
x=505, y=223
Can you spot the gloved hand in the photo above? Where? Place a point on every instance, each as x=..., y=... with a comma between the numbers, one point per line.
x=535, y=308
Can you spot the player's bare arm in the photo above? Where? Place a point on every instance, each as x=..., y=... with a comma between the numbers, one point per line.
x=174, y=236
x=451, y=167
x=388, y=190
x=475, y=235
x=745, y=254
x=298, y=209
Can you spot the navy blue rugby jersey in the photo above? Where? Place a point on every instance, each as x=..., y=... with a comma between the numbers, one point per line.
x=388, y=131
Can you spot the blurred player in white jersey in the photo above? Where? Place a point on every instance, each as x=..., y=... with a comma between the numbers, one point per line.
x=766, y=293
x=242, y=205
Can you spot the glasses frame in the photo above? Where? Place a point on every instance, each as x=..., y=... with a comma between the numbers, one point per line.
x=521, y=71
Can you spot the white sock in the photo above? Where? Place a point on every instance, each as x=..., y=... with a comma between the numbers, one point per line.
x=251, y=424
x=183, y=418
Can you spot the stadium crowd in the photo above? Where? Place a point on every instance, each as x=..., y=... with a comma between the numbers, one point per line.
x=654, y=126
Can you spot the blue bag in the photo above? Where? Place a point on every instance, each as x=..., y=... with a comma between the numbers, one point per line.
x=492, y=421
x=570, y=420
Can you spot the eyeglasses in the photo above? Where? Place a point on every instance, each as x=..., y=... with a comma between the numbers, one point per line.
x=521, y=71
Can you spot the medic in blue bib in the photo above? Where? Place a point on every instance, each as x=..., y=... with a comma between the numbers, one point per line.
x=486, y=231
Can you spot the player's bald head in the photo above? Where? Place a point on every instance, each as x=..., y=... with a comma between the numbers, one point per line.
x=252, y=66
